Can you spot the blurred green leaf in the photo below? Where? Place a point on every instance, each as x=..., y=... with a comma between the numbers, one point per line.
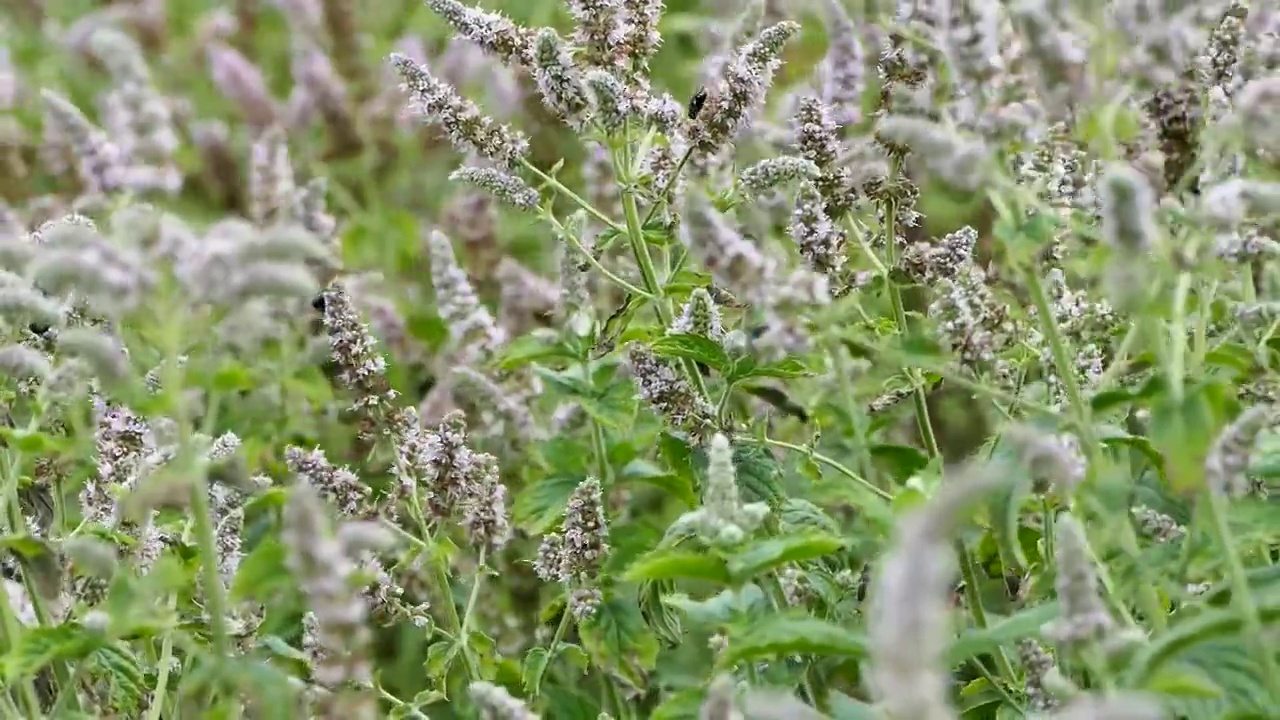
x=674, y=564
x=759, y=556
x=617, y=639
x=781, y=635
x=693, y=347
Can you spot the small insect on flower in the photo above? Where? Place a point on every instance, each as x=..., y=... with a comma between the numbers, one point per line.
x=696, y=102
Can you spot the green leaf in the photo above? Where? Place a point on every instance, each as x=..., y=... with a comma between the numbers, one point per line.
x=693, y=347
x=262, y=573
x=675, y=564
x=38, y=646
x=1182, y=640
x=746, y=368
x=1024, y=623
x=40, y=561
x=539, y=505
x=791, y=635
x=759, y=477
x=719, y=609
x=1183, y=682
x=531, y=348
x=902, y=461
x=844, y=707
x=1182, y=431
x=617, y=640
x=676, y=485
x=760, y=556
x=232, y=377
x=682, y=705
x=797, y=515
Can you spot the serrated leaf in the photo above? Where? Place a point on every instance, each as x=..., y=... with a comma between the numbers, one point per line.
x=1024, y=623
x=262, y=572
x=531, y=348
x=39, y=560
x=532, y=669
x=797, y=515
x=617, y=640
x=692, y=347
x=759, y=556
x=676, y=485
x=675, y=564
x=1183, y=682
x=539, y=505
x=38, y=646
x=747, y=368
x=791, y=635
x=759, y=477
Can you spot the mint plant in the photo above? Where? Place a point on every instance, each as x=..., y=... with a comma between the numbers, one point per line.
x=630, y=360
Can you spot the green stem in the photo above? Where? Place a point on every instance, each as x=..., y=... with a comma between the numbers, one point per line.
x=1066, y=371
x=819, y=457
x=973, y=599
x=475, y=595
x=441, y=578
x=1242, y=598
x=215, y=598
x=1178, y=336
x=12, y=632
x=565, y=618
x=577, y=199
x=666, y=189
x=156, y=711
x=639, y=248
x=609, y=275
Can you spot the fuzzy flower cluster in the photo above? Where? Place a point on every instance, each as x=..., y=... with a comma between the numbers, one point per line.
x=722, y=520
x=574, y=555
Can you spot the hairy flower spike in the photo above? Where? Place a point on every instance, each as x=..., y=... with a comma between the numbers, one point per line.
x=1228, y=461
x=640, y=36
x=337, y=485
x=1084, y=618
x=746, y=80
x=271, y=184
x=959, y=161
x=585, y=538
x=325, y=572
x=496, y=703
x=98, y=158
x=471, y=325
x=559, y=80
x=821, y=242
x=1127, y=204
x=771, y=173
x=610, y=105
x=494, y=33
x=361, y=368
x=469, y=129
x=844, y=67
x=699, y=316
x=910, y=599
x=503, y=185
x=667, y=391
x=596, y=32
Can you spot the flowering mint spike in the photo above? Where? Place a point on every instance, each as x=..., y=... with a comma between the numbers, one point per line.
x=700, y=316
x=742, y=88
x=494, y=33
x=502, y=185
x=469, y=129
x=771, y=173
x=559, y=79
